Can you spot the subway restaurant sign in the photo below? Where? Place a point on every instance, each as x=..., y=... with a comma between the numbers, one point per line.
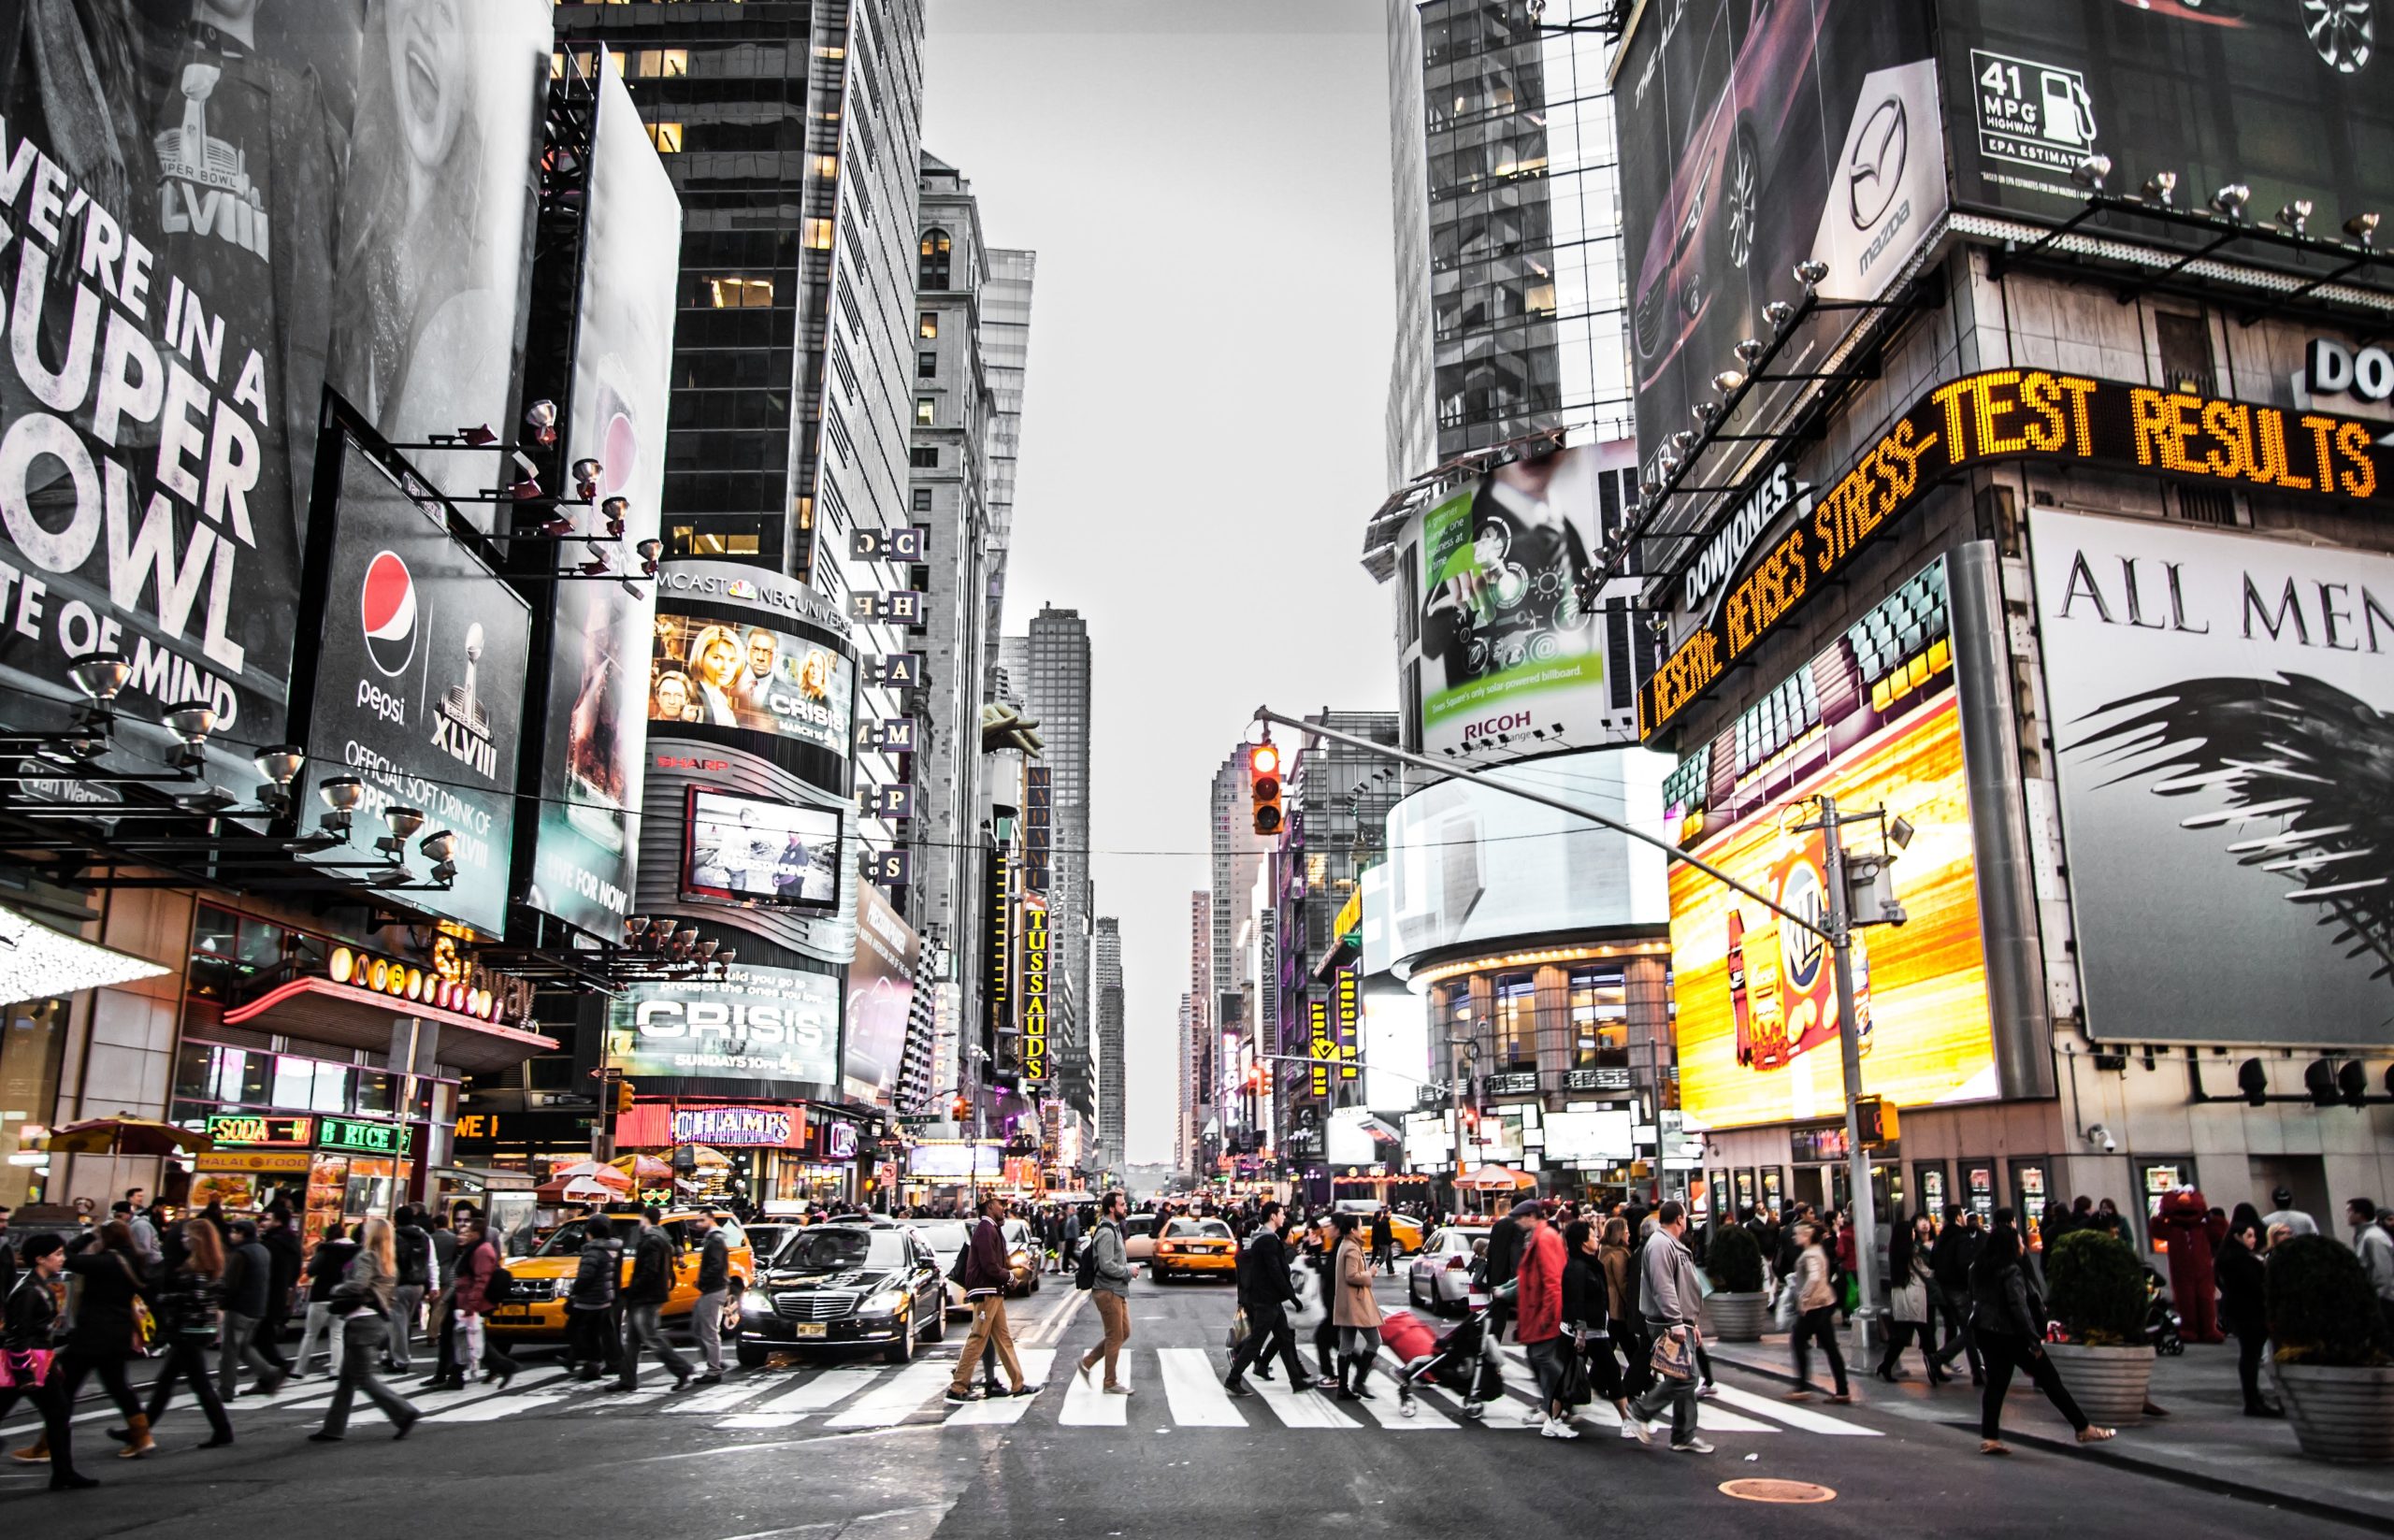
x=2019, y=414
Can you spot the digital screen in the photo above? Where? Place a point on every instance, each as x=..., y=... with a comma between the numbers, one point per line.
x=751, y=1023
x=745, y=850
x=728, y=674
x=952, y=1162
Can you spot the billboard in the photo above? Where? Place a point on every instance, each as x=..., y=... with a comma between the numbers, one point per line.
x=2292, y=100
x=1469, y=863
x=1034, y=990
x=1873, y=722
x=772, y=1025
x=1753, y=137
x=1512, y=635
x=881, y=995
x=749, y=850
x=419, y=689
x=731, y=674
x=585, y=853
x=2220, y=720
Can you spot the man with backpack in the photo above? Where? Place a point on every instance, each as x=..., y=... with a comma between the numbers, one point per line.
x=1106, y=1275
x=413, y=1248
x=1265, y=1291
x=986, y=1274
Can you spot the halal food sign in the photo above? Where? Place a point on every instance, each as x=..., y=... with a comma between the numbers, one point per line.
x=2017, y=414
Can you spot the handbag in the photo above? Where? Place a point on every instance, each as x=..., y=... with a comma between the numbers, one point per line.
x=1238, y=1332
x=1784, y=1313
x=1674, y=1355
x=26, y=1369
x=145, y=1321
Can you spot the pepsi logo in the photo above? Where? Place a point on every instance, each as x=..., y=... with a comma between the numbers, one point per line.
x=387, y=609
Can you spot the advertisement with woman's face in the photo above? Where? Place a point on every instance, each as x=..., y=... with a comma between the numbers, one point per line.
x=723, y=674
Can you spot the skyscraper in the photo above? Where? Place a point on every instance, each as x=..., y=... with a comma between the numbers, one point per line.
x=1111, y=1086
x=1511, y=305
x=1006, y=348
x=1056, y=693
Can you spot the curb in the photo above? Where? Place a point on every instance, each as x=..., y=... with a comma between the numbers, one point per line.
x=2104, y=1454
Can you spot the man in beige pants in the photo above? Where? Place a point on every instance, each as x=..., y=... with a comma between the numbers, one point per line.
x=987, y=1274
x=1112, y=1293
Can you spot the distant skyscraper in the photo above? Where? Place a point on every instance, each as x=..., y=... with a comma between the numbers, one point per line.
x=1511, y=303
x=1005, y=349
x=1198, y=1048
x=1111, y=1086
x=1055, y=687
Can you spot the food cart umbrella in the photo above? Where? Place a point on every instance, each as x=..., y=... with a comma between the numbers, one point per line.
x=642, y=1168
x=1495, y=1179
x=580, y=1190
x=612, y=1176
x=124, y=1134
x=708, y=1155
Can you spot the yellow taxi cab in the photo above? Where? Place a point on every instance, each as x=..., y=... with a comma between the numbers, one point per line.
x=543, y=1279
x=1402, y=1228
x=1185, y=1247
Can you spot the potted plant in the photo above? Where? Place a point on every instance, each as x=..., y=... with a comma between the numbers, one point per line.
x=1738, y=1302
x=2332, y=1366
x=2095, y=1291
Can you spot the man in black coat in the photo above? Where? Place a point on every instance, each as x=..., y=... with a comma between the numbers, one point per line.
x=1503, y=1261
x=248, y=1293
x=643, y=1299
x=1265, y=1291
x=279, y=1235
x=1949, y=1264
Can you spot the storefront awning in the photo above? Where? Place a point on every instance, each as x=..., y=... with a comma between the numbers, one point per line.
x=321, y=1011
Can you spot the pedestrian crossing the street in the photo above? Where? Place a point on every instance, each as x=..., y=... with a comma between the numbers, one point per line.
x=1176, y=1387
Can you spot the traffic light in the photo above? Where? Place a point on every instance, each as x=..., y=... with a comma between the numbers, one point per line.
x=1264, y=787
x=622, y=1097
x=959, y=1108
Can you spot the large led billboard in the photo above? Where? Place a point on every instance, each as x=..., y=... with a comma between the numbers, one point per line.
x=1468, y=863
x=752, y=850
x=777, y=1026
x=1874, y=721
x=1512, y=632
x=585, y=854
x=2222, y=740
x=723, y=673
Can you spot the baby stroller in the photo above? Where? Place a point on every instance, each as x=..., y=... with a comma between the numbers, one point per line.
x=2161, y=1322
x=1462, y=1359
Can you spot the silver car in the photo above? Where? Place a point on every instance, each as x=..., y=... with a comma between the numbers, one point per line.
x=1440, y=1279
x=946, y=1238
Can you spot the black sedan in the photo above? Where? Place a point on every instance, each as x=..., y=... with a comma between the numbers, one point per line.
x=845, y=1286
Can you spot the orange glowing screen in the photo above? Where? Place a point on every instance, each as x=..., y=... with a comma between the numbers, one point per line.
x=1757, y=1005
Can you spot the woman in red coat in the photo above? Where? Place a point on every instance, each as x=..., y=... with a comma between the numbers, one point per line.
x=1537, y=1314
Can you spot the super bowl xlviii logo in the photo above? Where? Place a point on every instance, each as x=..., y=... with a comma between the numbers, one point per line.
x=391, y=621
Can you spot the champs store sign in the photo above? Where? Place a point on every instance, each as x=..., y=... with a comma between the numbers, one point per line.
x=2018, y=414
x=1034, y=991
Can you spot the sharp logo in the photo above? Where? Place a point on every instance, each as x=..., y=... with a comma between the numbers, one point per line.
x=386, y=611
x=1875, y=173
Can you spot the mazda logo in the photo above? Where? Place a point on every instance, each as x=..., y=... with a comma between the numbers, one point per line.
x=1876, y=171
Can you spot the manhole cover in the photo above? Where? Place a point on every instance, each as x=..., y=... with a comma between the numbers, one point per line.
x=1763, y=1490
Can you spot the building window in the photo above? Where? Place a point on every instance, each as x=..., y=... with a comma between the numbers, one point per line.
x=818, y=234
x=926, y=366
x=922, y=499
x=826, y=167
x=927, y=326
x=663, y=64
x=923, y=456
x=931, y=270
x=1516, y=1022
x=1599, y=1018
x=2185, y=343
x=926, y=407
x=740, y=293
x=667, y=137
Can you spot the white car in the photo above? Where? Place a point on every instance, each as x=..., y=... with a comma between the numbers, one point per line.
x=1025, y=1255
x=946, y=1238
x=1440, y=1279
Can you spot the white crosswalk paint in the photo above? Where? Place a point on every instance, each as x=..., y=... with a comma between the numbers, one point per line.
x=897, y=1401
x=1007, y=1410
x=1387, y=1409
x=1801, y=1417
x=1087, y=1406
x=1196, y=1398
x=493, y=1408
x=811, y=1394
x=716, y=1397
x=1307, y=1408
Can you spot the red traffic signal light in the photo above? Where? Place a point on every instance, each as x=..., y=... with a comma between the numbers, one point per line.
x=959, y=1108
x=1263, y=787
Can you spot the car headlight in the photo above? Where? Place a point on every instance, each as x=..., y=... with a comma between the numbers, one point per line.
x=1021, y=1258
x=755, y=1302
x=889, y=1302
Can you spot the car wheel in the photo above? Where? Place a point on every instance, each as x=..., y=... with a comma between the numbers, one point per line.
x=937, y=1331
x=1034, y=1283
x=1740, y=192
x=1413, y=1291
x=752, y=1354
x=902, y=1351
x=2343, y=32
x=731, y=1307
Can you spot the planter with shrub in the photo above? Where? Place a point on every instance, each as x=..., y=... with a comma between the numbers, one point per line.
x=2333, y=1365
x=2095, y=1291
x=1738, y=1304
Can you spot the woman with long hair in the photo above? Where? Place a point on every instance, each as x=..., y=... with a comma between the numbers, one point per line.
x=1587, y=1315
x=1910, y=1286
x=190, y=1315
x=362, y=1300
x=2243, y=1287
x=1817, y=1298
x=1352, y=1309
x=31, y=1324
x=2009, y=1316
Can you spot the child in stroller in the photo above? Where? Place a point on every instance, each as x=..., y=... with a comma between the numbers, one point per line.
x=1460, y=1360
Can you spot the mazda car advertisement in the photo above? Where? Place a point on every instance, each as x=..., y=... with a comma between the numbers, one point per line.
x=419, y=698
x=1754, y=136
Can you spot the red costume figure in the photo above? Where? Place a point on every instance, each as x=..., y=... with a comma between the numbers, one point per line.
x=2184, y=1224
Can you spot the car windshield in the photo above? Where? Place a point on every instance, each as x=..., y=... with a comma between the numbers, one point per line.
x=764, y=1240
x=1209, y=1229
x=1016, y=1232
x=945, y=1235
x=1139, y=1224
x=829, y=1249
x=568, y=1240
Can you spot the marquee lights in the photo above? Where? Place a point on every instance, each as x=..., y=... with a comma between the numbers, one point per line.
x=401, y=981
x=2016, y=415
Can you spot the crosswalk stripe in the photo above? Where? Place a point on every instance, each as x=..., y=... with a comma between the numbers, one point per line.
x=1389, y=1414
x=897, y=1401
x=492, y=1408
x=717, y=1397
x=1304, y=1408
x=1793, y=1416
x=1196, y=1397
x=1087, y=1406
x=1004, y=1410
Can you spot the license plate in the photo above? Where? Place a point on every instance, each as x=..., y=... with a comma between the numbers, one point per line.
x=510, y=1312
x=810, y=1329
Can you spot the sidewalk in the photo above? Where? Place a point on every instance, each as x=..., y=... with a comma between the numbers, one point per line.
x=2206, y=1441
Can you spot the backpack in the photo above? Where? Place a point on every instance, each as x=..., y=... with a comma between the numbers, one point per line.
x=415, y=1256
x=501, y=1286
x=1085, y=1274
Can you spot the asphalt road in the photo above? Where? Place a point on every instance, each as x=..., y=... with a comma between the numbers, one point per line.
x=854, y=1450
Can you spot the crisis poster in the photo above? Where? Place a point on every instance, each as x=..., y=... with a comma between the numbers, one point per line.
x=212, y=204
x=585, y=856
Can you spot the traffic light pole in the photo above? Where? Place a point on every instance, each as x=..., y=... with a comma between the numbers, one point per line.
x=1836, y=932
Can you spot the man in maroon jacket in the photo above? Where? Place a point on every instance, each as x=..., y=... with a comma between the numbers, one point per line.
x=986, y=1272
x=1538, y=1319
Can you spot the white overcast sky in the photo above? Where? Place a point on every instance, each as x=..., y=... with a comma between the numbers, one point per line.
x=1206, y=184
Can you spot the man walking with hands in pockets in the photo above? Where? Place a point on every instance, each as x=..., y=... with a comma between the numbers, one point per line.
x=1670, y=1298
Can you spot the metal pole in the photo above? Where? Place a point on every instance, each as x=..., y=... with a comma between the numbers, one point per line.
x=1864, y=1203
